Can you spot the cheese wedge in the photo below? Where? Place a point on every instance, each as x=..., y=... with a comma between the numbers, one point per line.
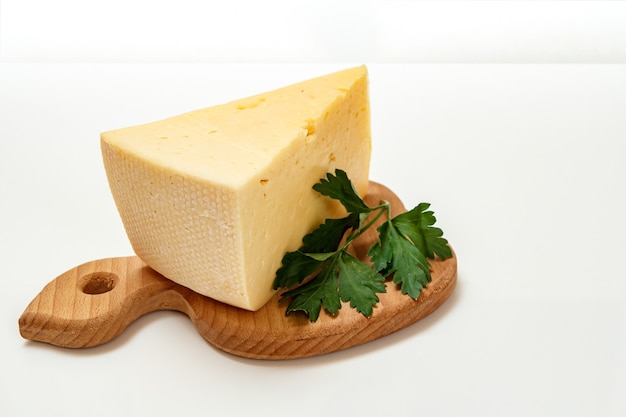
x=212, y=199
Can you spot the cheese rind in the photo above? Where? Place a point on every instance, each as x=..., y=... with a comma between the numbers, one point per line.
x=212, y=199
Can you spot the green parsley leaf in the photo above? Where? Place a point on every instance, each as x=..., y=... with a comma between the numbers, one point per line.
x=344, y=278
x=322, y=290
x=417, y=225
x=327, y=236
x=296, y=267
x=395, y=254
x=300, y=264
x=339, y=187
x=358, y=284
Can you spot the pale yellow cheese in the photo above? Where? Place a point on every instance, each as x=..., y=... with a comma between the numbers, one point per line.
x=212, y=199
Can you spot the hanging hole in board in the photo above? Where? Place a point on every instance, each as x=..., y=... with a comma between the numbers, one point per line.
x=98, y=282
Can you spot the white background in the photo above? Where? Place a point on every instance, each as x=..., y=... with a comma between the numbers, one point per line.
x=312, y=31
x=509, y=117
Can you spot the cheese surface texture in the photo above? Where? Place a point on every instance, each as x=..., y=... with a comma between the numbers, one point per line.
x=212, y=199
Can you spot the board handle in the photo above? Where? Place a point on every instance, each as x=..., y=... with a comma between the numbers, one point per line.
x=94, y=302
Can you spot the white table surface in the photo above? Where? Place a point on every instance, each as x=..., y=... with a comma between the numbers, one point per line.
x=524, y=166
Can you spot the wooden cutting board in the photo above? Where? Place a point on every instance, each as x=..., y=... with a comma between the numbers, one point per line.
x=93, y=303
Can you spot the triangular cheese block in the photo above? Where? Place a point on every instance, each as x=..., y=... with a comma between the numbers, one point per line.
x=212, y=199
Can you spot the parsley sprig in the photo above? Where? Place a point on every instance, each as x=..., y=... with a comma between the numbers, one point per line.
x=404, y=246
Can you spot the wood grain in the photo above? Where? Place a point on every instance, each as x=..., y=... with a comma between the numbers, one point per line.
x=93, y=303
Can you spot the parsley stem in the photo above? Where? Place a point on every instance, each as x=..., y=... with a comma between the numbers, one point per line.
x=383, y=207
